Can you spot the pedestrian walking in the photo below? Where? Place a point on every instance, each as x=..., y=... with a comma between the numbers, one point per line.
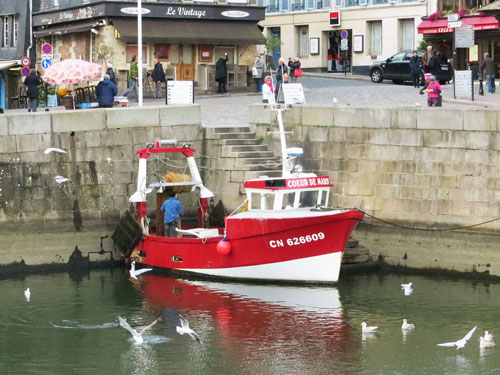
x=132, y=77
x=489, y=67
x=433, y=90
x=111, y=73
x=257, y=71
x=426, y=57
x=106, y=91
x=32, y=82
x=282, y=69
x=295, y=70
x=158, y=78
x=172, y=208
x=434, y=64
x=415, y=69
x=221, y=73
x=268, y=91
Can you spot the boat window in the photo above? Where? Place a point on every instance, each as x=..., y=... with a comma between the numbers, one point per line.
x=255, y=201
x=308, y=198
x=288, y=199
x=268, y=201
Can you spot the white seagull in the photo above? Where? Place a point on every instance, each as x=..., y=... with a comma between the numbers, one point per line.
x=407, y=326
x=54, y=149
x=27, y=294
x=487, y=341
x=134, y=273
x=366, y=329
x=137, y=336
x=335, y=101
x=460, y=343
x=407, y=288
x=184, y=328
x=61, y=179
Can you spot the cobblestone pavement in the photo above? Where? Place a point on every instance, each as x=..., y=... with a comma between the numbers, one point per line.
x=232, y=109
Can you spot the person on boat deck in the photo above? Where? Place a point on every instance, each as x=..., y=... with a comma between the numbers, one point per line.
x=172, y=209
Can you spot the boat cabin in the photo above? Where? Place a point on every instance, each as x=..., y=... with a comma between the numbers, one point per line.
x=276, y=194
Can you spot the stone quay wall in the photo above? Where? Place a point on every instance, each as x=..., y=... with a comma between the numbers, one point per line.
x=415, y=167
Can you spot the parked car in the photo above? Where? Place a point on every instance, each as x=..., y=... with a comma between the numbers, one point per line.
x=397, y=68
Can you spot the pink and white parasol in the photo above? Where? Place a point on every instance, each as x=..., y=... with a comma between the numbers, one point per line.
x=71, y=71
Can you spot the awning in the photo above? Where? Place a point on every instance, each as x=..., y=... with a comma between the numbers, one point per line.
x=190, y=32
x=63, y=30
x=4, y=64
x=441, y=26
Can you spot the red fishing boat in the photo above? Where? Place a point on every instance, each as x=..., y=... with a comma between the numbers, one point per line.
x=283, y=231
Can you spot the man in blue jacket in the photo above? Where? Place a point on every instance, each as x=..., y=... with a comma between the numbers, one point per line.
x=172, y=209
x=106, y=91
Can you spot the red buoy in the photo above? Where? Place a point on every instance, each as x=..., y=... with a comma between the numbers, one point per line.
x=224, y=246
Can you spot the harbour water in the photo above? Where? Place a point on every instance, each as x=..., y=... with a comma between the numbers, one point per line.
x=70, y=326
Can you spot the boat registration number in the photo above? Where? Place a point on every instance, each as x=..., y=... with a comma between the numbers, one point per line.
x=293, y=241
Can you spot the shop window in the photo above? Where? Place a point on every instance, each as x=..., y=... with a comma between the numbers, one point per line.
x=407, y=34
x=219, y=52
x=162, y=52
x=132, y=50
x=375, y=35
x=205, y=53
x=174, y=53
x=303, y=41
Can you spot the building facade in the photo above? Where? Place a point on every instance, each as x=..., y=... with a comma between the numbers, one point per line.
x=186, y=36
x=345, y=35
x=15, y=43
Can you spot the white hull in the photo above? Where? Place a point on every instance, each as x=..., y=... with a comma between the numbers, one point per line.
x=322, y=268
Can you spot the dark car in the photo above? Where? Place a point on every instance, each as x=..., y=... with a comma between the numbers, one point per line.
x=397, y=68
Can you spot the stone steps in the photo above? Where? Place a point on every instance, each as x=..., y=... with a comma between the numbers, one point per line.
x=242, y=141
x=247, y=148
x=235, y=129
x=240, y=135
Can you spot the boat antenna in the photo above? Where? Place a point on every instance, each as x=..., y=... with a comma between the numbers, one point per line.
x=284, y=170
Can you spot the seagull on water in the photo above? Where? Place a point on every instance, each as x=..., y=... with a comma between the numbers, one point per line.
x=137, y=336
x=407, y=288
x=366, y=329
x=184, y=328
x=407, y=326
x=62, y=179
x=134, y=273
x=27, y=294
x=460, y=343
x=487, y=341
x=53, y=149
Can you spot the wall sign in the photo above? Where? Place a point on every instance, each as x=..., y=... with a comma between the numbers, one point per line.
x=335, y=18
x=314, y=50
x=357, y=43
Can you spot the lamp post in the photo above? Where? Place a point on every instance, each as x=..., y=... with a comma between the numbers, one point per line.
x=139, y=52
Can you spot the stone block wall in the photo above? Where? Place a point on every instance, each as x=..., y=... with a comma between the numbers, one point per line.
x=416, y=166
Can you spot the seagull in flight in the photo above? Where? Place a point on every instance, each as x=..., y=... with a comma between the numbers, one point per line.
x=134, y=273
x=184, y=328
x=366, y=329
x=460, y=343
x=62, y=179
x=54, y=149
x=137, y=336
x=487, y=341
x=27, y=294
x=407, y=326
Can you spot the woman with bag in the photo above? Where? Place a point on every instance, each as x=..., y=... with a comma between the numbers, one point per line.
x=257, y=71
x=295, y=70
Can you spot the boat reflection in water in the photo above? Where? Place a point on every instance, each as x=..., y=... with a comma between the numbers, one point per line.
x=298, y=323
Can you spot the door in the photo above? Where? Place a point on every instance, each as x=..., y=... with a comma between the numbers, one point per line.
x=185, y=67
x=276, y=54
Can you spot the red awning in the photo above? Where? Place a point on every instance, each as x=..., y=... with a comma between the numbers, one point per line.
x=441, y=26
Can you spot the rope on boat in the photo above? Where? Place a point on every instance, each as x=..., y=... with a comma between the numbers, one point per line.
x=237, y=208
x=427, y=229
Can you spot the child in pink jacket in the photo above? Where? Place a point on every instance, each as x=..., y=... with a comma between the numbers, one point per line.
x=433, y=91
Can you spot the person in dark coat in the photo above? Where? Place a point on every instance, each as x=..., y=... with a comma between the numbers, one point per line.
x=434, y=64
x=282, y=69
x=221, y=73
x=32, y=82
x=106, y=92
x=415, y=68
x=158, y=78
x=111, y=73
x=293, y=65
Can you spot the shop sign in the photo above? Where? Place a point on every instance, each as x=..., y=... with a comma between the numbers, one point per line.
x=335, y=18
x=134, y=10
x=186, y=12
x=235, y=14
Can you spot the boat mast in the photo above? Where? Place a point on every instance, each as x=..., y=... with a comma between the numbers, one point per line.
x=284, y=156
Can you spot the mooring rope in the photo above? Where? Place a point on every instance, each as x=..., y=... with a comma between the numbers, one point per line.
x=426, y=229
